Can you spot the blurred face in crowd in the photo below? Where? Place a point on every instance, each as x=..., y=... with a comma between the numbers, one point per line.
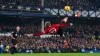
x=17, y=28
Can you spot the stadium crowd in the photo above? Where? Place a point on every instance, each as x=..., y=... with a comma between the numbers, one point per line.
x=85, y=34
x=79, y=37
x=75, y=4
x=53, y=44
x=27, y=25
x=83, y=37
x=25, y=28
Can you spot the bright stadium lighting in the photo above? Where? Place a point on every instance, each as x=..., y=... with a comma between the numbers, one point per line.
x=38, y=9
x=10, y=6
x=28, y=8
x=20, y=7
x=3, y=6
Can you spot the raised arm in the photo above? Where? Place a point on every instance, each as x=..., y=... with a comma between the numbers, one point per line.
x=41, y=33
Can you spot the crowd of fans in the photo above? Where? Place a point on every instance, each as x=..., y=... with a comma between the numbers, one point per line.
x=79, y=36
x=75, y=4
x=83, y=37
x=53, y=44
x=26, y=28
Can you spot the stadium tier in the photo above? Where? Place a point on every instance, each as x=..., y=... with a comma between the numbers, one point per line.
x=47, y=8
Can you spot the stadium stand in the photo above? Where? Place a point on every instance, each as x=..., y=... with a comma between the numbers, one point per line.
x=75, y=4
x=54, y=44
x=84, y=36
